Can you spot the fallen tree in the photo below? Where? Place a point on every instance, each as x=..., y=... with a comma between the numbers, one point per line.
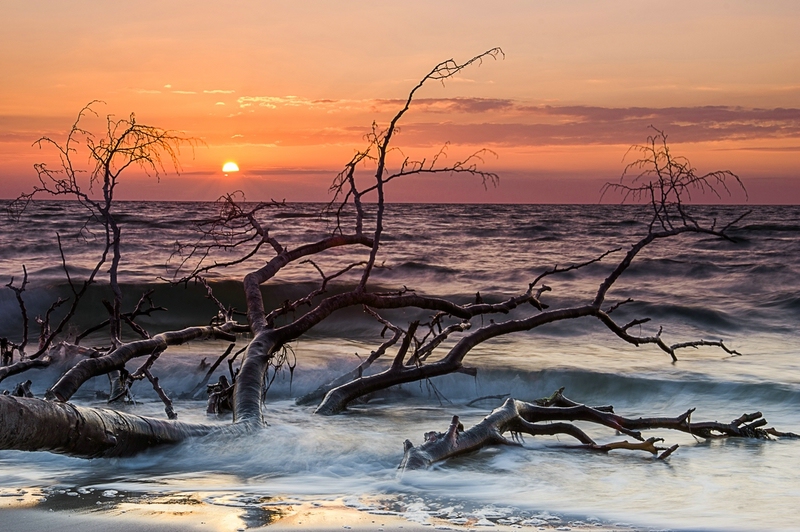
x=32, y=424
x=520, y=417
x=357, y=215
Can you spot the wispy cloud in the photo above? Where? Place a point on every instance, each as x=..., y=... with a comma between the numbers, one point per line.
x=291, y=171
x=273, y=102
x=184, y=92
x=218, y=91
x=790, y=149
x=430, y=105
x=18, y=137
x=452, y=105
x=689, y=115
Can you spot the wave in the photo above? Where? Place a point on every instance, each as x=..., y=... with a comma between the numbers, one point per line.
x=771, y=227
x=188, y=305
x=629, y=393
x=421, y=266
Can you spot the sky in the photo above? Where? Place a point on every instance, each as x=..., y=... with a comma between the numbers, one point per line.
x=287, y=90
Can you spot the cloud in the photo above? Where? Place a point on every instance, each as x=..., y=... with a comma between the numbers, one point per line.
x=254, y=144
x=273, y=102
x=199, y=173
x=146, y=91
x=430, y=105
x=184, y=92
x=689, y=115
x=506, y=123
x=291, y=171
x=580, y=125
x=790, y=149
x=452, y=105
x=218, y=91
x=18, y=137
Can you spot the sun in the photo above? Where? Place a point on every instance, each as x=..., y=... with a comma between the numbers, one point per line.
x=230, y=167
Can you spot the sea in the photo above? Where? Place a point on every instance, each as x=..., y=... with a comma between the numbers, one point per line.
x=745, y=292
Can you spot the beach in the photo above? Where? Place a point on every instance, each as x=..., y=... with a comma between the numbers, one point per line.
x=23, y=510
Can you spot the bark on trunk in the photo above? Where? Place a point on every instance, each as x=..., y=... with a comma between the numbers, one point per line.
x=31, y=424
x=249, y=387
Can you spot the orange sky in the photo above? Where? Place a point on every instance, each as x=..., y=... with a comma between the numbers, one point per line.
x=287, y=89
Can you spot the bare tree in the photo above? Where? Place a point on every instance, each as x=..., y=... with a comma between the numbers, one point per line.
x=125, y=143
x=246, y=229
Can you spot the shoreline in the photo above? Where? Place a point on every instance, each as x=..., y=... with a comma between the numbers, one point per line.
x=34, y=509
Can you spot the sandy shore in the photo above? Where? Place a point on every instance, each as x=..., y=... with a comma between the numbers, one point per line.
x=23, y=510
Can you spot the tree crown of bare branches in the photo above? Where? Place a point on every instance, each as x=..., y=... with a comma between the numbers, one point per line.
x=124, y=143
x=667, y=182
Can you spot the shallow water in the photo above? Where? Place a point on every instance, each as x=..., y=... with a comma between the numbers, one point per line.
x=745, y=293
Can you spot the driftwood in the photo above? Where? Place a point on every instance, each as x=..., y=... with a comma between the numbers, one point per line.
x=239, y=227
x=516, y=417
x=31, y=424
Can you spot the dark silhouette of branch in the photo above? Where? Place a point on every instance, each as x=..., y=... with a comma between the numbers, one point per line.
x=137, y=311
x=18, y=290
x=234, y=226
x=378, y=148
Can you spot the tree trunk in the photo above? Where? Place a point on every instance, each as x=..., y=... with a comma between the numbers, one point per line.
x=31, y=424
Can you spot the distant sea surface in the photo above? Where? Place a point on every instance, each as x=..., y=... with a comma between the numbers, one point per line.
x=745, y=292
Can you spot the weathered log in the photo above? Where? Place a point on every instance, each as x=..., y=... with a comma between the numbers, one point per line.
x=30, y=424
x=56, y=354
x=220, y=396
x=196, y=390
x=519, y=417
x=317, y=395
x=337, y=399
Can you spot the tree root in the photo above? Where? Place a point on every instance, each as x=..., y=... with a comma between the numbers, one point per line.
x=519, y=417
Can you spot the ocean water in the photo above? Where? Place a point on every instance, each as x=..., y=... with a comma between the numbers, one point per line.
x=746, y=293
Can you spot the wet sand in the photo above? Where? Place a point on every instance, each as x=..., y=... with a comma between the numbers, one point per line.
x=29, y=510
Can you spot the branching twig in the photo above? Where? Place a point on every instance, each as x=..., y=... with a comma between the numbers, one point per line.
x=18, y=293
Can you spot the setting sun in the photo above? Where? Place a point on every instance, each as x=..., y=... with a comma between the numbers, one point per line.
x=230, y=167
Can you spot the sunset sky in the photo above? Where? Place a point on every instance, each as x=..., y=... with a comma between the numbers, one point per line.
x=287, y=90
